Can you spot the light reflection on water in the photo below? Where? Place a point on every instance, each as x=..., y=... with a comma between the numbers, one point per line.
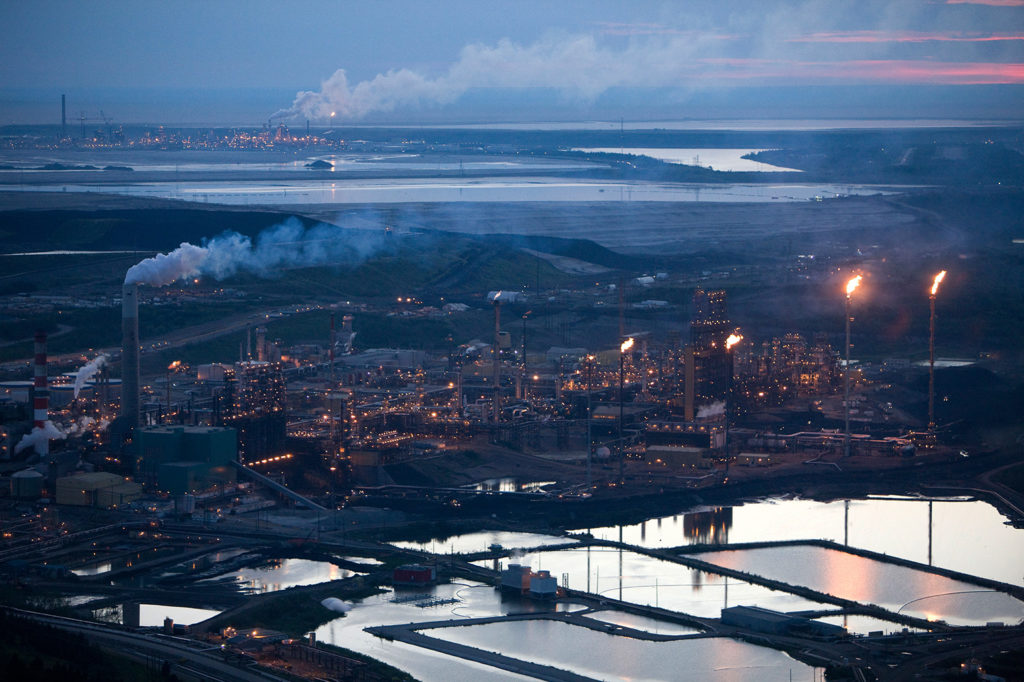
x=479, y=542
x=280, y=574
x=717, y=159
x=896, y=588
x=152, y=615
x=541, y=189
x=477, y=600
x=962, y=531
x=604, y=656
x=654, y=582
x=637, y=622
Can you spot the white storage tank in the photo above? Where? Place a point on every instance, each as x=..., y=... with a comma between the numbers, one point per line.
x=27, y=484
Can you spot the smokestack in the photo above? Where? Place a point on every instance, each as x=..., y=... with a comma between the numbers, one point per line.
x=130, y=355
x=40, y=393
x=497, y=358
x=63, y=117
x=261, y=344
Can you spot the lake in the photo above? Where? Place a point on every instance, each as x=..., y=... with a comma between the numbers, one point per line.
x=716, y=159
x=481, y=189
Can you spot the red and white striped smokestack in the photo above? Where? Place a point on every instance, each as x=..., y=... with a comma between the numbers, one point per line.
x=40, y=392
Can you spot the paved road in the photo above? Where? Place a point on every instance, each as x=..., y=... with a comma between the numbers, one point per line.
x=198, y=657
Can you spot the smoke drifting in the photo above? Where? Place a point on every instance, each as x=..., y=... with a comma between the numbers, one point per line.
x=715, y=409
x=799, y=43
x=574, y=65
x=288, y=245
x=88, y=371
x=335, y=604
x=49, y=431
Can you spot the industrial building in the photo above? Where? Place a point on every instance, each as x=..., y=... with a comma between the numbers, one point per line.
x=256, y=399
x=778, y=623
x=27, y=484
x=522, y=579
x=184, y=459
x=414, y=574
x=708, y=367
x=97, y=489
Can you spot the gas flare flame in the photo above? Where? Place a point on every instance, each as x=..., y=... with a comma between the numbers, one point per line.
x=174, y=365
x=938, y=279
x=626, y=345
x=733, y=340
x=852, y=285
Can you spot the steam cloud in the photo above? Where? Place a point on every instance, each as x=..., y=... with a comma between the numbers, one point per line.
x=49, y=431
x=715, y=409
x=82, y=425
x=575, y=65
x=335, y=604
x=88, y=371
x=287, y=245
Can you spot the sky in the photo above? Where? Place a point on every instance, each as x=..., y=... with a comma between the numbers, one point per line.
x=454, y=60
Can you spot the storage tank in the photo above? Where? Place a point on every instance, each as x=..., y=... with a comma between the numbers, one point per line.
x=27, y=484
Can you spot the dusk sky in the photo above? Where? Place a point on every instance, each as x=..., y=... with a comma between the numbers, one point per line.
x=407, y=61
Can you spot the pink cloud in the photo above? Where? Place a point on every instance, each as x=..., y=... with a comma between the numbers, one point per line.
x=992, y=3
x=901, y=37
x=865, y=71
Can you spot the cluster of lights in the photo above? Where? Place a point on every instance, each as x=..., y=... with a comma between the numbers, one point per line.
x=271, y=460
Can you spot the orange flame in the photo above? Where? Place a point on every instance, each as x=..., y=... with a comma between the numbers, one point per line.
x=852, y=285
x=626, y=345
x=938, y=278
x=733, y=340
x=174, y=365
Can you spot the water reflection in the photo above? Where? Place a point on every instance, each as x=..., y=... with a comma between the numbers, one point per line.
x=280, y=574
x=511, y=485
x=960, y=530
x=708, y=527
x=896, y=588
x=641, y=579
x=475, y=600
x=604, y=656
x=481, y=541
x=483, y=189
x=718, y=159
x=152, y=615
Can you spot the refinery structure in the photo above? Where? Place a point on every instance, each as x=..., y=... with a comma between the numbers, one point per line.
x=299, y=440
x=321, y=420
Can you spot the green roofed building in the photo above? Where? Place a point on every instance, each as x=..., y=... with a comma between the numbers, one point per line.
x=185, y=459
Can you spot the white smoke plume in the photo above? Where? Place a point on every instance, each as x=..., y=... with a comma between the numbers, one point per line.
x=575, y=65
x=88, y=371
x=287, y=245
x=79, y=427
x=335, y=604
x=49, y=431
x=715, y=409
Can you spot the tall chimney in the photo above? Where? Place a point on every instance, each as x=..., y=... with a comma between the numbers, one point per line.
x=63, y=117
x=130, y=355
x=40, y=392
x=497, y=359
x=261, y=344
